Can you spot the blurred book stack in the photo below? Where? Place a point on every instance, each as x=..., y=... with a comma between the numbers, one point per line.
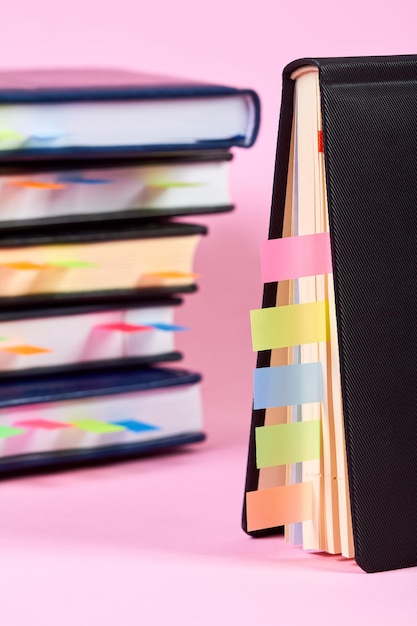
x=94, y=164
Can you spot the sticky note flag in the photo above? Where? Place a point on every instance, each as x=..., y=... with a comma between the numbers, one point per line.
x=34, y=184
x=292, y=325
x=173, y=275
x=167, y=327
x=172, y=184
x=24, y=266
x=277, y=506
x=286, y=385
x=282, y=444
x=96, y=426
x=10, y=431
x=41, y=424
x=25, y=350
x=294, y=257
x=135, y=426
x=81, y=180
x=3, y=338
x=10, y=139
x=125, y=328
x=70, y=264
x=45, y=137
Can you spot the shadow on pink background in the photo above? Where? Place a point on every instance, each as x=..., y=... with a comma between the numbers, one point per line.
x=158, y=541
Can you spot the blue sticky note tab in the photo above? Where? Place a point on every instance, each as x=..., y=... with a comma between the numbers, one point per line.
x=135, y=426
x=162, y=326
x=81, y=180
x=287, y=385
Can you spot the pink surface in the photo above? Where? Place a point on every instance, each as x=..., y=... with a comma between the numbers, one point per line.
x=294, y=257
x=159, y=542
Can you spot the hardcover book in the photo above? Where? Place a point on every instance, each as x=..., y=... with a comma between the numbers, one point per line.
x=332, y=454
x=145, y=258
x=95, y=190
x=79, y=336
x=91, y=112
x=72, y=418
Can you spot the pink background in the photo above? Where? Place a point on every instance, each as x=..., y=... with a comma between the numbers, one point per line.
x=101, y=546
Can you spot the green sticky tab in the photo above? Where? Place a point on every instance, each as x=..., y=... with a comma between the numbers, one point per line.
x=281, y=444
x=9, y=431
x=72, y=264
x=9, y=135
x=168, y=184
x=95, y=426
x=3, y=338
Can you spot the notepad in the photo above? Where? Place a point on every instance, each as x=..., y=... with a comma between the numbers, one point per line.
x=332, y=453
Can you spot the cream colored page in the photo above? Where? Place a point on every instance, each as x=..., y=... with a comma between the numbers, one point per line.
x=110, y=265
x=337, y=509
x=314, y=537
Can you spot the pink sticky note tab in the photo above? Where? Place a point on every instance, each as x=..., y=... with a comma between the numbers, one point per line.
x=125, y=328
x=40, y=424
x=295, y=257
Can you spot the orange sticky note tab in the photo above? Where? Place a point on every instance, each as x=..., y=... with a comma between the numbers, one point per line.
x=25, y=349
x=35, y=184
x=268, y=508
x=24, y=265
x=173, y=275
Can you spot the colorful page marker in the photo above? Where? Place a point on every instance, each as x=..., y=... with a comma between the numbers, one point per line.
x=168, y=327
x=125, y=328
x=69, y=264
x=25, y=349
x=11, y=139
x=95, y=426
x=135, y=426
x=278, y=506
x=80, y=180
x=41, y=424
x=282, y=444
x=292, y=325
x=286, y=385
x=171, y=275
x=294, y=257
x=34, y=184
x=172, y=184
x=10, y=431
x=24, y=265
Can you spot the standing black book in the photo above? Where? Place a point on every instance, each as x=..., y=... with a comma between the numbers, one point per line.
x=333, y=451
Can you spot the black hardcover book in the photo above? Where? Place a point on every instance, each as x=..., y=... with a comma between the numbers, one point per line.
x=333, y=452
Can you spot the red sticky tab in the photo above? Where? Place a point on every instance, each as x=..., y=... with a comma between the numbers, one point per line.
x=125, y=328
x=320, y=140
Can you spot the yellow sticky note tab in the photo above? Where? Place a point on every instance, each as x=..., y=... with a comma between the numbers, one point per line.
x=10, y=138
x=281, y=444
x=25, y=349
x=96, y=426
x=277, y=506
x=292, y=325
x=24, y=265
x=71, y=264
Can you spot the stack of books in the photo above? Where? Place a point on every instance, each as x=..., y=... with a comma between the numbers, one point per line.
x=94, y=164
